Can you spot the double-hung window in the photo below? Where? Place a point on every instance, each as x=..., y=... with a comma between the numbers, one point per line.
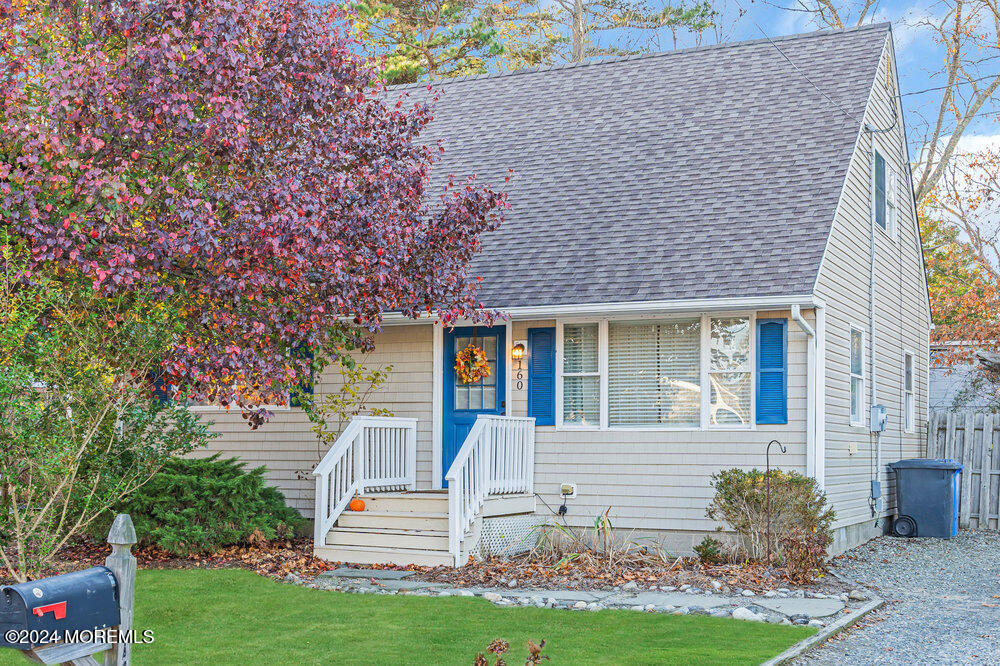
x=885, y=195
x=730, y=371
x=909, y=406
x=686, y=372
x=581, y=377
x=857, y=376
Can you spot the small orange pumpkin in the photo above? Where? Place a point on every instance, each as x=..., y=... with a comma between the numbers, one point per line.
x=357, y=504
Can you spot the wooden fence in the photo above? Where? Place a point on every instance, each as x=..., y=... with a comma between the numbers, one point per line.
x=973, y=439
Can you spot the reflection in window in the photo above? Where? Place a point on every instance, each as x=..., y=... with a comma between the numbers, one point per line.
x=729, y=373
x=483, y=393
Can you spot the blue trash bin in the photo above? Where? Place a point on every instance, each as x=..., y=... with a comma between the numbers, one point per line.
x=927, y=497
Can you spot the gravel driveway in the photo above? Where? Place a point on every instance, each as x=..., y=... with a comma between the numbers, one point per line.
x=942, y=602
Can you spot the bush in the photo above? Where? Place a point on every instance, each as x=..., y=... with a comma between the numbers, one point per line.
x=201, y=505
x=804, y=553
x=709, y=551
x=797, y=505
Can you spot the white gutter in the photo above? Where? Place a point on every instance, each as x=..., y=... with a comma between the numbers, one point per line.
x=637, y=307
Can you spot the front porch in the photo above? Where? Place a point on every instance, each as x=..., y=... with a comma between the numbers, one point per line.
x=490, y=479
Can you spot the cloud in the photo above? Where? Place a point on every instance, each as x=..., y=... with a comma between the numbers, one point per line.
x=973, y=143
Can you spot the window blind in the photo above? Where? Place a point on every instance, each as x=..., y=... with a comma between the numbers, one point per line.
x=581, y=378
x=654, y=373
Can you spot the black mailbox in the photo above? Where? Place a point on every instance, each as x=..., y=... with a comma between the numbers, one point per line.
x=79, y=601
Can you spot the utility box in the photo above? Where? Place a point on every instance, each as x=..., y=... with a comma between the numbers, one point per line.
x=80, y=601
x=928, y=493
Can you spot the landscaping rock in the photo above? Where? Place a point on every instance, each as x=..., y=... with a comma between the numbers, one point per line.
x=747, y=614
x=630, y=586
x=857, y=595
x=492, y=596
x=749, y=593
x=580, y=605
x=770, y=594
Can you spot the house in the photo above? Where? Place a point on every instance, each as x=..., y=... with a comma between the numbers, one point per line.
x=961, y=385
x=708, y=249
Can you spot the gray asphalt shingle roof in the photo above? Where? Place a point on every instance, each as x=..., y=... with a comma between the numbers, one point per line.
x=710, y=172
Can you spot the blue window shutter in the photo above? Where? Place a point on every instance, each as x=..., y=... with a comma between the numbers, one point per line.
x=161, y=389
x=306, y=386
x=542, y=375
x=772, y=371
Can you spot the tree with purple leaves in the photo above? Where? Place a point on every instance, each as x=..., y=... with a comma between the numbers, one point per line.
x=238, y=159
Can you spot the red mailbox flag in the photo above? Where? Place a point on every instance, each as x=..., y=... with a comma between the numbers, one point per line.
x=58, y=609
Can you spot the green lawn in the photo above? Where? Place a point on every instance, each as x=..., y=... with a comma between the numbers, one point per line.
x=237, y=617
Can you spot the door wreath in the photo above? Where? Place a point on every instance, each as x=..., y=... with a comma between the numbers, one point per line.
x=471, y=365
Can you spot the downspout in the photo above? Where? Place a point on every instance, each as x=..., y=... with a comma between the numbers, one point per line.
x=876, y=501
x=819, y=441
x=811, y=458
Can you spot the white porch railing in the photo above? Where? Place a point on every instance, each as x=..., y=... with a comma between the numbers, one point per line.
x=497, y=457
x=373, y=453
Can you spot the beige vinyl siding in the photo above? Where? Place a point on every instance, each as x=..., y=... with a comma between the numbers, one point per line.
x=289, y=449
x=658, y=480
x=902, y=319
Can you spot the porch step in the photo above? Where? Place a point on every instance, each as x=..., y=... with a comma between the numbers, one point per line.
x=384, y=555
x=407, y=528
x=435, y=501
x=382, y=538
x=393, y=520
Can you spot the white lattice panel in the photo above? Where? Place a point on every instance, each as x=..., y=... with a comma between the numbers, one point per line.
x=504, y=536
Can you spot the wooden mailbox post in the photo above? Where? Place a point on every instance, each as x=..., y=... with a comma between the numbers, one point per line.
x=122, y=564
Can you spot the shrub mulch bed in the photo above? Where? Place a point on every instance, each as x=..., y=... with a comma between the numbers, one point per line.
x=527, y=573
x=279, y=558
x=274, y=559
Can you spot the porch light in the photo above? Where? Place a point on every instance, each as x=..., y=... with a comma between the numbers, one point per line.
x=517, y=352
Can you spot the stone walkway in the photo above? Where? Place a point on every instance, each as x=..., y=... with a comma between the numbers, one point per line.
x=780, y=606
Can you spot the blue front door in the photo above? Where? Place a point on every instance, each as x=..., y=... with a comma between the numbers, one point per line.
x=464, y=402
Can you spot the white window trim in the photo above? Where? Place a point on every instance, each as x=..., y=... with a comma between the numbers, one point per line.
x=891, y=205
x=910, y=415
x=602, y=351
x=851, y=375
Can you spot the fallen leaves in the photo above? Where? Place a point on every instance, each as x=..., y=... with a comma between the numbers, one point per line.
x=274, y=560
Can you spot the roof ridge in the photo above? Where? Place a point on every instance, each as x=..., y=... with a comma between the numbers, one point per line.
x=639, y=56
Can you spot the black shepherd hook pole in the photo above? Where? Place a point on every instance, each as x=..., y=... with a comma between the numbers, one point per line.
x=767, y=486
